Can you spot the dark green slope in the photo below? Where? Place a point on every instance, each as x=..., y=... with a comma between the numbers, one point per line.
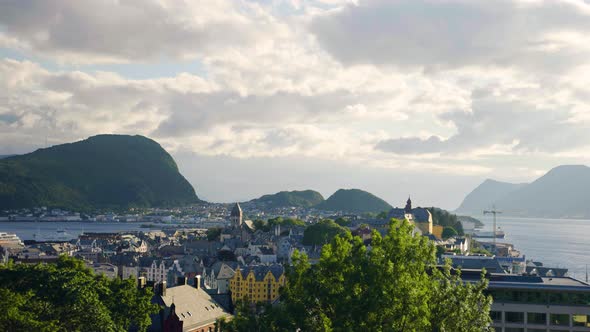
x=354, y=200
x=304, y=198
x=101, y=171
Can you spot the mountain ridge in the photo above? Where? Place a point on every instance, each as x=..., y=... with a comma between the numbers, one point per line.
x=100, y=171
x=562, y=192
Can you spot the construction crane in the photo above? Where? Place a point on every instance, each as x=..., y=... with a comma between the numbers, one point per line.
x=494, y=212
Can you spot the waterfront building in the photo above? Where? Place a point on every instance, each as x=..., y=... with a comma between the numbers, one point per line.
x=534, y=304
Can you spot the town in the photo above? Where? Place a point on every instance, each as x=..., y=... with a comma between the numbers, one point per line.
x=202, y=260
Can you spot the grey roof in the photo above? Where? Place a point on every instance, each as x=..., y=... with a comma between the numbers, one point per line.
x=260, y=271
x=225, y=272
x=194, y=307
x=477, y=262
x=420, y=214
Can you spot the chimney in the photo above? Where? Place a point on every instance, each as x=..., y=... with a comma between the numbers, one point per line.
x=141, y=281
x=162, y=288
x=198, y=281
x=181, y=281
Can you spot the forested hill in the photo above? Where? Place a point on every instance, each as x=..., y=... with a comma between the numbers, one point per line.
x=101, y=171
x=303, y=198
x=354, y=200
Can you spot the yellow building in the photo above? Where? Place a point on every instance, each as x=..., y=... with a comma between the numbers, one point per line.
x=258, y=283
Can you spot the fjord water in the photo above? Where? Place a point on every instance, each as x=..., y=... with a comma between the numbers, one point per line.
x=27, y=230
x=555, y=242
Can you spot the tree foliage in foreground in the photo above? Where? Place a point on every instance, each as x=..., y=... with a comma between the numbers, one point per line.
x=393, y=286
x=67, y=296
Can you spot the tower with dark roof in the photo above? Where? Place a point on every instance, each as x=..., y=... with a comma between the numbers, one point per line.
x=408, y=208
x=236, y=216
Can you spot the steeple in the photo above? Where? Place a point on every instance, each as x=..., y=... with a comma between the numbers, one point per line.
x=236, y=216
x=408, y=208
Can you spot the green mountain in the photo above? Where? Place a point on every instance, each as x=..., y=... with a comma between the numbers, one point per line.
x=303, y=198
x=485, y=195
x=564, y=192
x=104, y=171
x=354, y=200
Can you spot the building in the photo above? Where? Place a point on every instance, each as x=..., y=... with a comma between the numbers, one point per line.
x=236, y=216
x=218, y=277
x=421, y=217
x=186, y=308
x=533, y=304
x=257, y=283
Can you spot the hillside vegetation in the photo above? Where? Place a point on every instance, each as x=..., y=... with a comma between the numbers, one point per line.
x=303, y=198
x=354, y=200
x=101, y=171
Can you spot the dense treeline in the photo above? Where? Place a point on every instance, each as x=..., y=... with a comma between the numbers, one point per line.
x=67, y=296
x=393, y=286
x=450, y=222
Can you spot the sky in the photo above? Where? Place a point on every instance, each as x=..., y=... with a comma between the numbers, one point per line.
x=397, y=97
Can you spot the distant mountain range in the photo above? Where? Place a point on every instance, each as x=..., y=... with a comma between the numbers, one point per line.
x=349, y=200
x=564, y=192
x=101, y=171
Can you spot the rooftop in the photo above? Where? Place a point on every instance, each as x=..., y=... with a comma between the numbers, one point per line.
x=193, y=306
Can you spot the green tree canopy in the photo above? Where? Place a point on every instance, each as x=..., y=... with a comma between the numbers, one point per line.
x=448, y=232
x=322, y=232
x=67, y=296
x=394, y=286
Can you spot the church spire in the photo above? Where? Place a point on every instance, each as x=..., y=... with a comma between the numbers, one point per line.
x=408, y=208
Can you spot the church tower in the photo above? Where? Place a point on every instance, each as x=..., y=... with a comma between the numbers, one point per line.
x=408, y=208
x=236, y=216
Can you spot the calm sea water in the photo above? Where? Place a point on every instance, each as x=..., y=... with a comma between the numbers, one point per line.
x=26, y=230
x=555, y=242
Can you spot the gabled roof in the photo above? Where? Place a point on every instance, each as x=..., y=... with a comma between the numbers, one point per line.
x=194, y=307
x=260, y=271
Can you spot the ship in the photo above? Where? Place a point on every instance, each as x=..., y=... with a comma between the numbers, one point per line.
x=490, y=234
x=60, y=235
x=10, y=240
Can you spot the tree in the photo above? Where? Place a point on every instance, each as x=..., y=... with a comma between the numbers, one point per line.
x=394, y=286
x=342, y=222
x=213, y=234
x=261, y=225
x=448, y=232
x=322, y=232
x=67, y=296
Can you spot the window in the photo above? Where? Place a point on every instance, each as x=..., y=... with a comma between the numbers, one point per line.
x=581, y=320
x=513, y=329
x=514, y=317
x=496, y=316
x=560, y=319
x=537, y=318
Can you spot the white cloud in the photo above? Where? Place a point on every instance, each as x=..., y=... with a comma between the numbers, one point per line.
x=540, y=35
x=131, y=30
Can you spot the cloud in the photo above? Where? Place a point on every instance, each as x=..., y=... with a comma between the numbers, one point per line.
x=496, y=123
x=132, y=30
x=545, y=35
